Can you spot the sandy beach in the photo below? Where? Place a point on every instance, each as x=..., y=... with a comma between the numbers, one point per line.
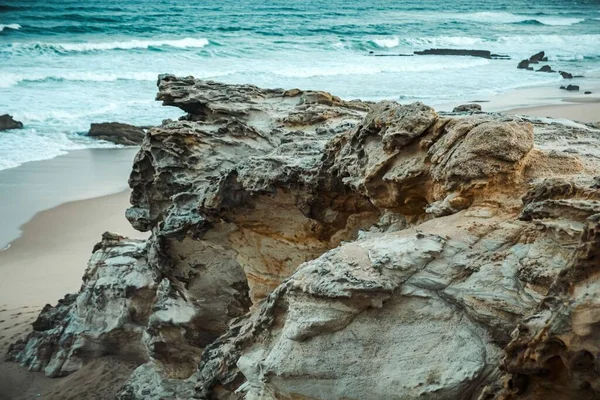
x=41, y=266
x=48, y=253
x=548, y=101
x=49, y=257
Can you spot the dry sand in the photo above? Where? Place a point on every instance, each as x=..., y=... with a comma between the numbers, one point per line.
x=580, y=111
x=546, y=101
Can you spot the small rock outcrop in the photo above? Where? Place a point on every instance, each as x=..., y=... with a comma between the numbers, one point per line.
x=116, y=132
x=570, y=88
x=462, y=52
x=545, y=68
x=565, y=75
x=307, y=247
x=467, y=108
x=538, y=57
x=8, y=122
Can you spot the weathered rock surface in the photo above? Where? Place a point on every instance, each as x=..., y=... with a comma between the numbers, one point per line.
x=307, y=247
x=8, y=122
x=467, y=108
x=117, y=132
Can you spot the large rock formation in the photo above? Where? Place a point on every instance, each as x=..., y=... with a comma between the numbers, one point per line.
x=306, y=247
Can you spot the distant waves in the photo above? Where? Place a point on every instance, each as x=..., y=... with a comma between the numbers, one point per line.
x=40, y=47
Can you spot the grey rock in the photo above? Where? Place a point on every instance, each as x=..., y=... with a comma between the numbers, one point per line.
x=117, y=132
x=565, y=75
x=541, y=56
x=467, y=108
x=546, y=68
x=462, y=52
x=8, y=122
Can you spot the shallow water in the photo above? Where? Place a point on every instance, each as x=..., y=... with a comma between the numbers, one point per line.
x=65, y=64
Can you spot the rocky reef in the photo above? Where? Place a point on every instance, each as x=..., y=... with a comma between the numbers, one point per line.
x=307, y=247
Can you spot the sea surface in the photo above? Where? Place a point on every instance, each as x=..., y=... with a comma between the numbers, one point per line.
x=65, y=63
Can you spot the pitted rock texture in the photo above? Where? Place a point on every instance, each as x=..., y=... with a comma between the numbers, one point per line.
x=307, y=247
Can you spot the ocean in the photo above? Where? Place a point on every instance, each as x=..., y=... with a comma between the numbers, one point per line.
x=65, y=63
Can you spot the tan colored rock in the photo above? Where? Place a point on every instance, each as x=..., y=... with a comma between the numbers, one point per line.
x=308, y=247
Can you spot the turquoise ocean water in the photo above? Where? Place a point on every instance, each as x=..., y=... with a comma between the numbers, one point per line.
x=65, y=64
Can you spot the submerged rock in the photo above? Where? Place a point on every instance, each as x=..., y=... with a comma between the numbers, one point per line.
x=117, y=132
x=8, y=122
x=303, y=246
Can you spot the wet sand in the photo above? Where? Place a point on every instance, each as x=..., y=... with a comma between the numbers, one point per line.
x=41, y=185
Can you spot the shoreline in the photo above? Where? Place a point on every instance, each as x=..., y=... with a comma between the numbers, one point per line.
x=49, y=258
x=544, y=101
x=41, y=185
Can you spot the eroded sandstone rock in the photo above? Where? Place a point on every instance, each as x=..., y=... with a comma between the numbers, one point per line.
x=303, y=246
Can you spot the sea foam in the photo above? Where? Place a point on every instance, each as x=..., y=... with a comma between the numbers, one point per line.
x=389, y=43
x=106, y=46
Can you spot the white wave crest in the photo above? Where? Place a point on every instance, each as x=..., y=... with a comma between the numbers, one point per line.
x=388, y=43
x=105, y=46
x=10, y=26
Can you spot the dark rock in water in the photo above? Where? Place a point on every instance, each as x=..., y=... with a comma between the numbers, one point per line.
x=467, y=108
x=563, y=87
x=529, y=68
x=545, y=68
x=461, y=52
x=571, y=88
x=523, y=64
x=392, y=55
x=566, y=75
x=541, y=56
x=117, y=132
x=7, y=122
x=588, y=92
x=578, y=76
